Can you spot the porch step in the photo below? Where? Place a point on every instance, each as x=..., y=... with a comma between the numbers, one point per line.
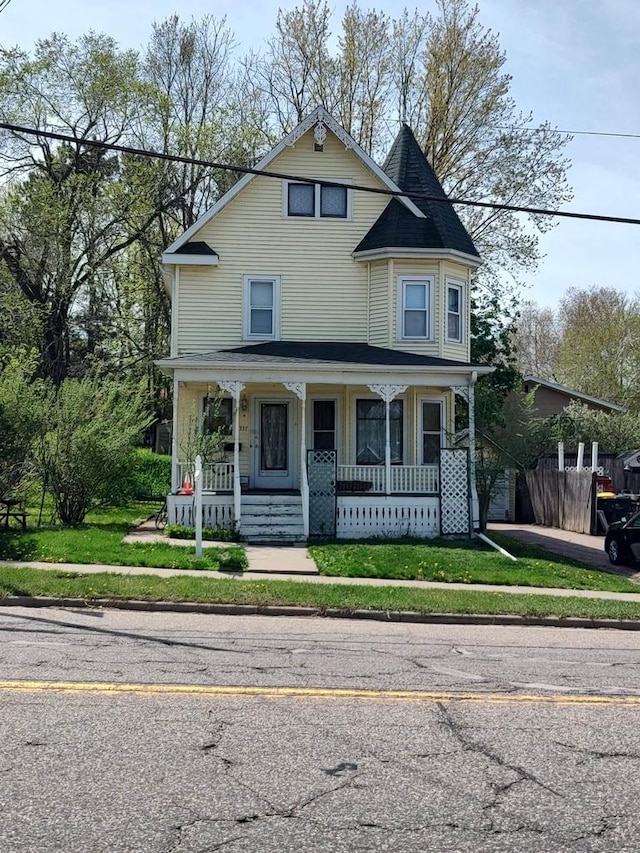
x=272, y=518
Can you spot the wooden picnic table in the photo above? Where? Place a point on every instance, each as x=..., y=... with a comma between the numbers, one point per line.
x=11, y=508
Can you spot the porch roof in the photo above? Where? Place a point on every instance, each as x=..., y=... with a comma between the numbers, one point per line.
x=318, y=354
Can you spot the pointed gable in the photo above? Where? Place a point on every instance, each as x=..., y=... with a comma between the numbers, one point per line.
x=397, y=227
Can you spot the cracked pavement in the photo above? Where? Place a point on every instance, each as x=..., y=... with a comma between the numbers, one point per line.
x=199, y=773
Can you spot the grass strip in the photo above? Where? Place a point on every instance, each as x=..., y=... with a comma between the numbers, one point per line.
x=32, y=582
x=463, y=561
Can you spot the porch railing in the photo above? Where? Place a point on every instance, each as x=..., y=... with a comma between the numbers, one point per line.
x=216, y=476
x=405, y=479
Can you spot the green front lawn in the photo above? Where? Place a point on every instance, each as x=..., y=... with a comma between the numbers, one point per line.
x=346, y=598
x=463, y=561
x=99, y=541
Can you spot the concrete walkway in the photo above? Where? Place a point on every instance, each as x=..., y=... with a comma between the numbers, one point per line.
x=274, y=559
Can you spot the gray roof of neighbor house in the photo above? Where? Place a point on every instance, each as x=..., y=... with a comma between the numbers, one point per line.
x=318, y=353
x=397, y=227
x=570, y=392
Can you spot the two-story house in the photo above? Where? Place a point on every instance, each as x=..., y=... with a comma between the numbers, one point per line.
x=330, y=309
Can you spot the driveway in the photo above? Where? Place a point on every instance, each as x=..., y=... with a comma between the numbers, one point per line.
x=578, y=546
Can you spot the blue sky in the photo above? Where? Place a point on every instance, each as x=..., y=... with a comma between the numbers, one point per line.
x=575, y=63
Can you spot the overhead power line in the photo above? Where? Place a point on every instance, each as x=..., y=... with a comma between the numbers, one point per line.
x=573, y=132
x=230, y=167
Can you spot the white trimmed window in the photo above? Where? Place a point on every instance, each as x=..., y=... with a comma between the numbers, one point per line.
x=261, y=307
x=316, y=201
x=455, y=302
x=415, y=304
x=431, y=428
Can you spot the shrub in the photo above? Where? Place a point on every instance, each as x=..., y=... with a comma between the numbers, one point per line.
x=150, y=475
x=86, y=454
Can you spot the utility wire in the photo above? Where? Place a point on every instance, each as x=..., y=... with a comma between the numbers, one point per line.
x=573, y=132
x=193, y=161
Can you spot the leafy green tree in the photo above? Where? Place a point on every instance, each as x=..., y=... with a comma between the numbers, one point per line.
x=21, y=418
x=85, y=456
x=615, y=432
x=599, y=353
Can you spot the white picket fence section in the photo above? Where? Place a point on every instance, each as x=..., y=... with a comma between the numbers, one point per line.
x=405, y=479
x=387, y=517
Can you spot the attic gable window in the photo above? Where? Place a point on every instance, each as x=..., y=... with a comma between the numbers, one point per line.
x=316, y=201
x=415, y=308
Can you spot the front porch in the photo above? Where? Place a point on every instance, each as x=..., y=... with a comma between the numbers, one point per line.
x=366, y=448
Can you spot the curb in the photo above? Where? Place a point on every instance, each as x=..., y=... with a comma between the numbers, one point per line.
x=406, y=616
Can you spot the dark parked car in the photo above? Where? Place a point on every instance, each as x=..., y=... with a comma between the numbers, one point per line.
x=622, y=542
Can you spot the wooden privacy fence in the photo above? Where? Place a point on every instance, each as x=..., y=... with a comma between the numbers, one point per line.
x=562, y=499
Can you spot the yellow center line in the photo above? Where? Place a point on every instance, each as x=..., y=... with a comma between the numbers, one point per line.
x=324, y=693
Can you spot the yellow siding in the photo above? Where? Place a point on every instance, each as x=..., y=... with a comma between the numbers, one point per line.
x=459, y=273
x=379, y=322
x=323, y=290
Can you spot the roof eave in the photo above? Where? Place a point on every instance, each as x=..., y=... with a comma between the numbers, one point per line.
x=428, y=254
x=571, y=392
x=174, y=259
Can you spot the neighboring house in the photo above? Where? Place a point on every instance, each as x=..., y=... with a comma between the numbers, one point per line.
x=552, y=399
x=335, y=324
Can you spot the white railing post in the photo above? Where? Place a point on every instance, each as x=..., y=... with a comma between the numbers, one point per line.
x=561, y=456
x=580, y=459
x=235, y=388
x=594, y=457
x=175, y=465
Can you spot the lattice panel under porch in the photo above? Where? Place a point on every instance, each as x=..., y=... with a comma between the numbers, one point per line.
x=454, y=491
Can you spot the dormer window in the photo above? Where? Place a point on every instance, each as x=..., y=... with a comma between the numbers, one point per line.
x=415, y=308
x=316, y=201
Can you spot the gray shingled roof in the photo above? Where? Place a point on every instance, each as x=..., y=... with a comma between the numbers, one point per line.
x=397, y=227
x=318, y=353
x=197, y=247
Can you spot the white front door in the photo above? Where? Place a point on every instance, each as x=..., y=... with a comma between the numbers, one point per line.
x=273, y=455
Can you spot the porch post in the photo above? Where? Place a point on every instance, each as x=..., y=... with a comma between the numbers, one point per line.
x=475, y=506
x=235, y=388
x=387, y=393
x=175, y=477
x=300, y=390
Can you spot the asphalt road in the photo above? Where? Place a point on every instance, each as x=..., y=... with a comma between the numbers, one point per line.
x=509, y=739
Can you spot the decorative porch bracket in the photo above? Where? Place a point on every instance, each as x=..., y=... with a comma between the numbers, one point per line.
x=467, y=392
x=300, y=390
x=387, y=393
x=234, y=388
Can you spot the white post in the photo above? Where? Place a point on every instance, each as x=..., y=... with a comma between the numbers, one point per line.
x=237, y=498
x=198, y=505
x=235, y=388
x=387, y=393
x=300, y=390
x=594, y=457
x=175, y=478
x=387, y=446
x=580, y=460
x=561, y=456
x=475, y=503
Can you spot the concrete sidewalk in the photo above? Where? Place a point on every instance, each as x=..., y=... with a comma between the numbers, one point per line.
x=317, y=578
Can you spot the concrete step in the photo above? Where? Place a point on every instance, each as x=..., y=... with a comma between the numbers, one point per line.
x=270, y=510
x=267, y=500
x=251, y=529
